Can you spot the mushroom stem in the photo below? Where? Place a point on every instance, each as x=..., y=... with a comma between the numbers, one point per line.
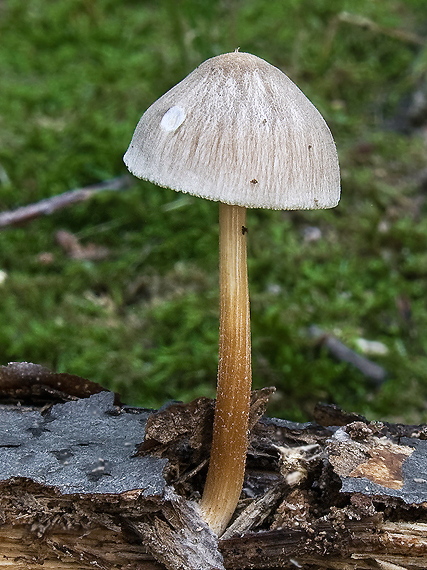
x=230, y=432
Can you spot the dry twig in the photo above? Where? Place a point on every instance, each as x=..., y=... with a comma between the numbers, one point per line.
x=50, y=205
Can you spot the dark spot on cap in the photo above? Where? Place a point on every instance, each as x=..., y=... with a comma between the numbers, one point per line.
x=254, y=181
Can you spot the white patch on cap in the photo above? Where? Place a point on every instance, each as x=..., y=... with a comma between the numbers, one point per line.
x=172, y=119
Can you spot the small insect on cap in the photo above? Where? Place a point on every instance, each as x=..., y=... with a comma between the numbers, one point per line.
x=239, y=131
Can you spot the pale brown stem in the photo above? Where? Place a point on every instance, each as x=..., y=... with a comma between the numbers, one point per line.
x=230, y=434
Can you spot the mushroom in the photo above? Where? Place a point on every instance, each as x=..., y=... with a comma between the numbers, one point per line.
x=236, y=130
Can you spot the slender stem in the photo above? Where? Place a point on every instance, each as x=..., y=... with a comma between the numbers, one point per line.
x=230, y=434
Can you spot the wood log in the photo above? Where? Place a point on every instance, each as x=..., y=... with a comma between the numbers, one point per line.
x=86, y=482
x=390, y=546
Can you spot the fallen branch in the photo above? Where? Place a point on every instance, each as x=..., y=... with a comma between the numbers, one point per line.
x=344, y=354
x=49, y=205
x=368, y=24
x=364, y=23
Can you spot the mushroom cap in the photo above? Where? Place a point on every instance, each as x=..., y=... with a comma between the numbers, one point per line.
x=238, y=130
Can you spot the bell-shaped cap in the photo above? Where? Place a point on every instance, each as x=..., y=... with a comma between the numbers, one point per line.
x=238, y=130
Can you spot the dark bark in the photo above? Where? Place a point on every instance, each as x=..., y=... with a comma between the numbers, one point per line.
x=90, y=483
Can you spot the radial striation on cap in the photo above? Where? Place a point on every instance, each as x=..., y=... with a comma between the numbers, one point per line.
x=239, y=131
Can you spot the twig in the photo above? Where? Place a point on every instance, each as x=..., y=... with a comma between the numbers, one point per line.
x=341, y=352
x=368, y=24
x=50, y=205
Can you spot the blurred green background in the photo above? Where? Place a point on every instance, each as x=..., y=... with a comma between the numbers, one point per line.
x=75, y=76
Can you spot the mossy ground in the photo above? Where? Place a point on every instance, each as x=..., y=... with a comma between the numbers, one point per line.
x=75, y=75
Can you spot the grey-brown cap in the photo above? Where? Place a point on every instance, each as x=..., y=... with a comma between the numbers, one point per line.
x=238, y=130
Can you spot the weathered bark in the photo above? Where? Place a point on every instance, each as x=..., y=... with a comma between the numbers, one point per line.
x=361, y=545
x=90, y=483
